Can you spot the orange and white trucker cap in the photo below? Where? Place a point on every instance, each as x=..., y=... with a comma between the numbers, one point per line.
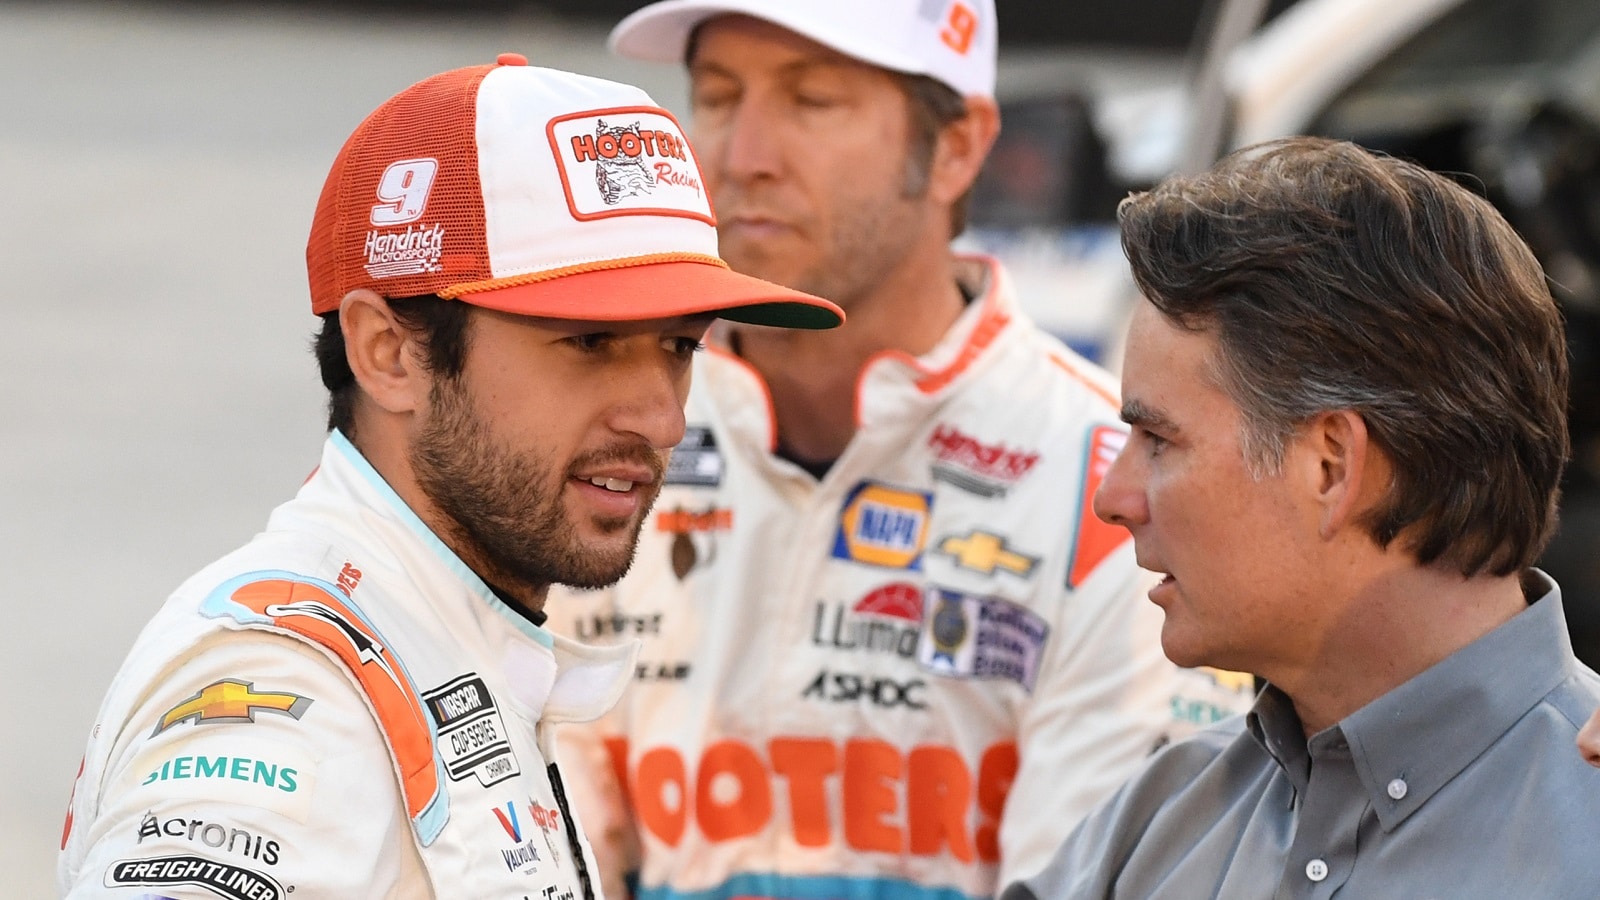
x=954, y=41
x=536, y=192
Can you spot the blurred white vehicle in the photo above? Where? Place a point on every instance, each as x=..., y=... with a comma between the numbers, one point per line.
x=1504, y=94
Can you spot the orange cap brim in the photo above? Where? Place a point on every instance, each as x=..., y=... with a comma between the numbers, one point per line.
x=661, y=290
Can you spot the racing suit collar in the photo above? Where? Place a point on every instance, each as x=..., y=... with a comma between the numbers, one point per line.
x=341, y=451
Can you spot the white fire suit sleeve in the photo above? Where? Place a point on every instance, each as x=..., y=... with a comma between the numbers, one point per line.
x=254, y=767
x=1101, y=705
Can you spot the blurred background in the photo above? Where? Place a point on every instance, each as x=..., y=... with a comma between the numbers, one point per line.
x=161, y=161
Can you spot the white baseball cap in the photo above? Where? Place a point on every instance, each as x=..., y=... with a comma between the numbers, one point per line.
x=537, y=192
x=954, y=41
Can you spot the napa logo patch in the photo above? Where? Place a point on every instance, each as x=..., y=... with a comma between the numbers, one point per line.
x=882, y=525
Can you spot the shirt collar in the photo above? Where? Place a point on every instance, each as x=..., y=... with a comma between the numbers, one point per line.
x=1412, y=741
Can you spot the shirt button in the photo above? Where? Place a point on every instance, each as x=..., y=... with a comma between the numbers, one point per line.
x=1316, y=870
x=1397, y=789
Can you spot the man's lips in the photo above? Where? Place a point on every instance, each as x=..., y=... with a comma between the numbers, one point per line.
x=619, y=481
x=1163, y=589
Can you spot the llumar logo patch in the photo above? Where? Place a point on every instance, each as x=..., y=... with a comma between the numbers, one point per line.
x=222, y=879
x=627, y=161
x=231, y=701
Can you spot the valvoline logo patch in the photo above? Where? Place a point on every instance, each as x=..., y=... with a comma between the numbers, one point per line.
x=882, y=525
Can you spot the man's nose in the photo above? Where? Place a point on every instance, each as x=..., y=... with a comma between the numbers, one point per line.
x=1121, y=498
x=750, y=146
x=651, y=404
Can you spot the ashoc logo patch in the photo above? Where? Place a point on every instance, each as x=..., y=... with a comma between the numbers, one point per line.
x=222, y=879
x=883, y=526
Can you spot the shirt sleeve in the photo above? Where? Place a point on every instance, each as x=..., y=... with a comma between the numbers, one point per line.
x=252, y=765
x=1105, y=700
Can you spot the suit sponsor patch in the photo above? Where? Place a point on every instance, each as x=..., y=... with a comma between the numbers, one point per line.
x=971, y=636
x=882, y=525
x=988, y=470
x=213, y=834
x=985, y=553
x=228, y=768
x=231, y=700
x=472, y=736
x=696, y=460
x=887, y=620
x=220, y=878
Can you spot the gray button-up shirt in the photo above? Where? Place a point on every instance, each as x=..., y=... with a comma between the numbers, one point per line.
x=1461, y=783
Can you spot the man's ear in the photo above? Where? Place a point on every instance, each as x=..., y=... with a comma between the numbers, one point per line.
x=1346, y=472
x=381, y=353
x=962, y=147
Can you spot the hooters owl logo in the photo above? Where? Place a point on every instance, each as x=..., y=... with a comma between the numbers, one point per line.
x=621, y=175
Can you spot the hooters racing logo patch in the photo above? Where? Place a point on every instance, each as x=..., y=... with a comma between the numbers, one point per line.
x=627, y=161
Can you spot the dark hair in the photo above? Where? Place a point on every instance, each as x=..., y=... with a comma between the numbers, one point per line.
x=933, y=105
x=439, y=325
x=1334, y=278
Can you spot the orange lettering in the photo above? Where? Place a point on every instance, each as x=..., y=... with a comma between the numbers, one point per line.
x=995, y=773
x=659, y=768
x=938, y=790
x=807, y=763
x=870, y=770
x=583, y=148
x=748, y=812
x=959, y=28
x=617, y=749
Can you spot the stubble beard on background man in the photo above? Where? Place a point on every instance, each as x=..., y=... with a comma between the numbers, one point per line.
x=507, y=507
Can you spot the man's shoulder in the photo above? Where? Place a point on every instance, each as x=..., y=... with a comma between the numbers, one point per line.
x=1576, y=696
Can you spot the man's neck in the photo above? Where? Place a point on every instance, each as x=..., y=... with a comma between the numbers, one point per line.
x=381, y=442
x=1397, y=627
x=812, y=375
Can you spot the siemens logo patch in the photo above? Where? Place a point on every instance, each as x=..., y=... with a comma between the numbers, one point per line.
x=222, y=879
x=234, y=768
x=472, y=737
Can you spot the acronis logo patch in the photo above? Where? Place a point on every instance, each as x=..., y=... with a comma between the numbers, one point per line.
x=881, y=525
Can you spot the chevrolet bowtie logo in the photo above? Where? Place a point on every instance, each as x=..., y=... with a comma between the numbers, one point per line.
x=231, y=701
x=983, y=552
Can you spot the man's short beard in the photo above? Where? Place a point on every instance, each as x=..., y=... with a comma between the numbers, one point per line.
x=498, y=502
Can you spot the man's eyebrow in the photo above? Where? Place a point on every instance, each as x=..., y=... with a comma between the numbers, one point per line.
x=1142, y=416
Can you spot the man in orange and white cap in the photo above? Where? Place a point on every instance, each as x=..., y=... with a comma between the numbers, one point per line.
x=888, y=649
x=514, y=267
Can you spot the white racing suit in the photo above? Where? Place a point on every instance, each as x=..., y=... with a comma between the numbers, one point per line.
x=339, y=709
x=908, y=680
